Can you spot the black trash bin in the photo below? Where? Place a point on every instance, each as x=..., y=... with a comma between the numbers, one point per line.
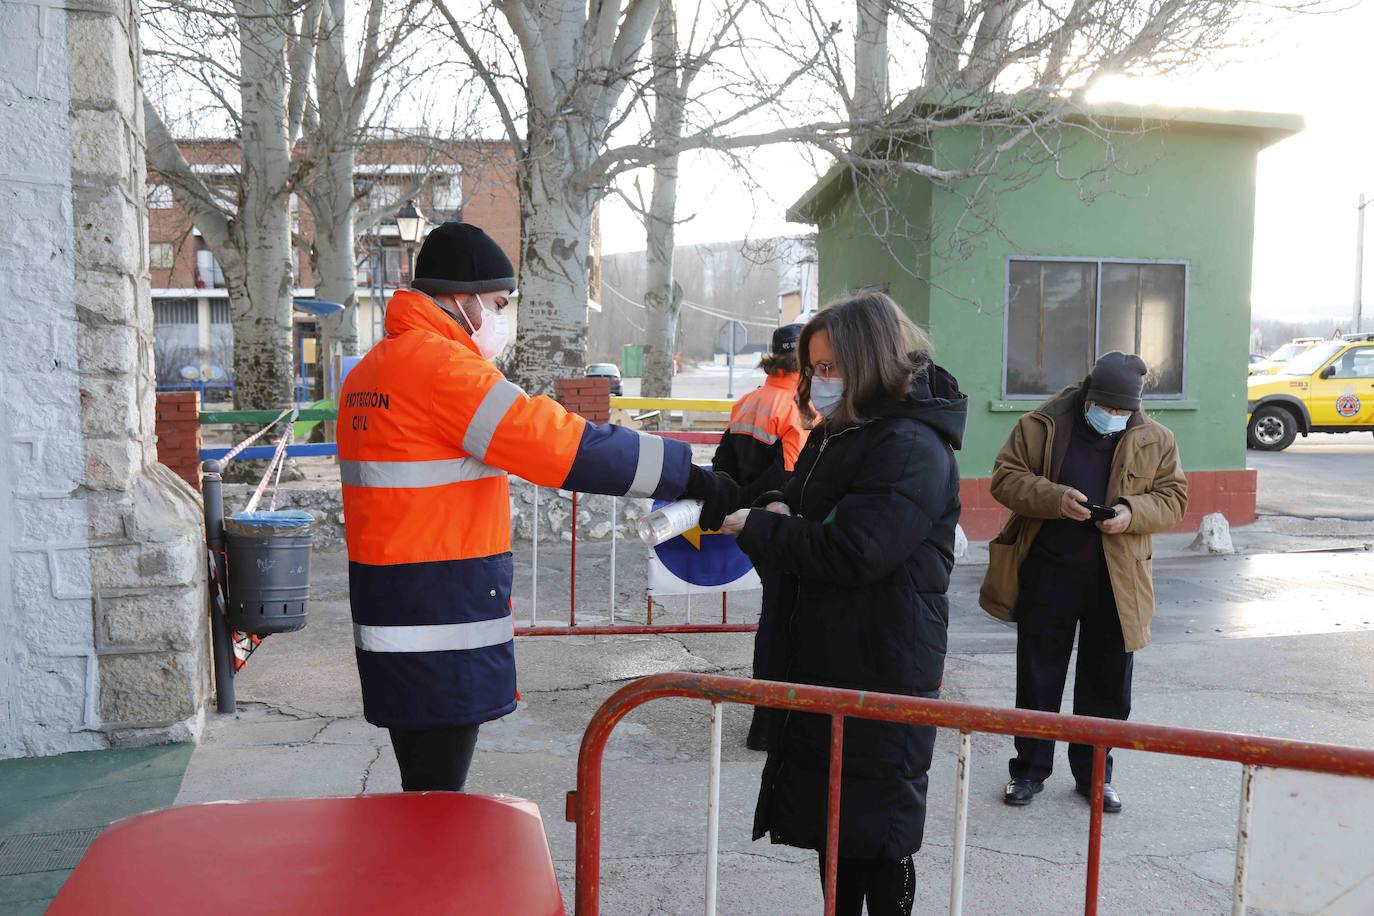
x=269, y=570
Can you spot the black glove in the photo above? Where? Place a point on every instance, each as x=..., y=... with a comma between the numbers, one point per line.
x=718, y=493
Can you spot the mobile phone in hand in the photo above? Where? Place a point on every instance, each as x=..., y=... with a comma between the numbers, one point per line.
x=1099, y=513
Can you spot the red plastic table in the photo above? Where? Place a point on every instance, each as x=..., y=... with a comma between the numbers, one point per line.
x=436, y=852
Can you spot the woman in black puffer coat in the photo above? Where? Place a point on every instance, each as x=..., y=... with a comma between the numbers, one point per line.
x=855, y=563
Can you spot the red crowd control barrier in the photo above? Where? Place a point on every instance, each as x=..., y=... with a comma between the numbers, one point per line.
x=584, y=803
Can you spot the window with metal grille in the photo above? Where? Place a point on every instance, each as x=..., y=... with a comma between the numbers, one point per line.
x=167, y=312
x=1062, y=314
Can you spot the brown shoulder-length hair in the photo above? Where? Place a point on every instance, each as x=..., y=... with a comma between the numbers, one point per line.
x=879, y=351
x=779, y=363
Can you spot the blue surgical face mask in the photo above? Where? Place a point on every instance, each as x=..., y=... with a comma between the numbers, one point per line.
x=826, y=394
x=1104, y=421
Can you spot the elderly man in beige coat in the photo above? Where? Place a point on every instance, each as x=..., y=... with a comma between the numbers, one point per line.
x=1057, y=570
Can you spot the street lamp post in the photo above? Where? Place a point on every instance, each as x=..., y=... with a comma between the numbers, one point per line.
x=1359, y=265
x=410, y=225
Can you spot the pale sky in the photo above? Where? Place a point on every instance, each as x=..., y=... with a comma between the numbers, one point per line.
x=1319, y=66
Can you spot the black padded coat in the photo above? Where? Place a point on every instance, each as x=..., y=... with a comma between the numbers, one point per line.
x=857, y=576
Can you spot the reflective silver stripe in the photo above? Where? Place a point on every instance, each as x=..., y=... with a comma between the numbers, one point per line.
x=649, y=470
x=755, y=432
x=438, y=637
x=413, y=474
x=489, y=414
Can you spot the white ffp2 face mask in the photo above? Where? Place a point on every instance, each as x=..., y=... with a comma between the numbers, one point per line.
x=494, y=334
x=826, y=394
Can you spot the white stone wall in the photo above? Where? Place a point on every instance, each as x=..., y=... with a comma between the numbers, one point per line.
x=101, y=557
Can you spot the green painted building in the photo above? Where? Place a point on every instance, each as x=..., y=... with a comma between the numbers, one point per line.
x=1137, y=237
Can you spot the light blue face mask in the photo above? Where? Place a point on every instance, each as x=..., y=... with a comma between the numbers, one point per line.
x=1105, y=422
x=826, y=394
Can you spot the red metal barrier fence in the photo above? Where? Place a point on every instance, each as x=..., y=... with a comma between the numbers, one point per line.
x=584, y=804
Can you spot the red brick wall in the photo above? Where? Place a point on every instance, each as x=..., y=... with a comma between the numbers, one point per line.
x=587, y=397
x=1232, y=493
x=178, y=434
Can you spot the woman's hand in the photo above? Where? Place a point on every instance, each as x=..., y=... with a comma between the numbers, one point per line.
x=734, y=522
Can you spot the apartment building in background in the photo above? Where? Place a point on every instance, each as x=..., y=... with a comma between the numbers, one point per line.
x=474, y=181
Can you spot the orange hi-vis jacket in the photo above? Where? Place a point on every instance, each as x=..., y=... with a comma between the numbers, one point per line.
x=427, y=432
x=764, y=437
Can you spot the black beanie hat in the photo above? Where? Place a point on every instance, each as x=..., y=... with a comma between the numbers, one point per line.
x=461, y=258
x=1116, y=380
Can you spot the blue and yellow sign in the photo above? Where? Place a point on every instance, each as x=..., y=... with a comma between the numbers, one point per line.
x=699, y=561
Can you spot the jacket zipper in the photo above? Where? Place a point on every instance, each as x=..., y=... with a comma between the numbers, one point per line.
x=796, y=599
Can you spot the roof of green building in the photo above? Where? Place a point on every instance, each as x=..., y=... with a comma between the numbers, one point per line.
x=1266, y=127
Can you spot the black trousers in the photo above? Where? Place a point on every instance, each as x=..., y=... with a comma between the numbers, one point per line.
x=888, y=887
x=1055, y=602
x=434, y=759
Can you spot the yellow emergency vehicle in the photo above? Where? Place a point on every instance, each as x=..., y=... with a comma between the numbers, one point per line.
x=1273, y=363
x=1327, y=389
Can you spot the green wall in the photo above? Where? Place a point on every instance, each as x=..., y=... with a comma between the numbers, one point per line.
x=852, y=258
x=1174, y=194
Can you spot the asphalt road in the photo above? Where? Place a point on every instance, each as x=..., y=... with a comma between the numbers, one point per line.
x=1326, y=475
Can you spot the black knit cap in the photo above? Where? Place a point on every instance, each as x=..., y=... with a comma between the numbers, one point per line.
x=1117, y=380
x=461, y=258
x=785, y=339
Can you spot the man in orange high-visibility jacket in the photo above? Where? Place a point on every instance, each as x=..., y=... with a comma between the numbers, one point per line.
x=427, y=430
x=759, y=450
x=766, y=432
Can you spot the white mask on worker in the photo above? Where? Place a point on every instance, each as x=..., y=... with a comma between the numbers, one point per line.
x=494, y=334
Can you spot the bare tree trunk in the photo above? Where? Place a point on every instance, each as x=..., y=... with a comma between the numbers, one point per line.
x=870, y=61
x=332, y=197
x=336, y=269
x=662, y=297
x=260, y=299
x=942, y=51
x=551, y=341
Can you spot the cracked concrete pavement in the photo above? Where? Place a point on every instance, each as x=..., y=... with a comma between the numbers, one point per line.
x=1304, y=674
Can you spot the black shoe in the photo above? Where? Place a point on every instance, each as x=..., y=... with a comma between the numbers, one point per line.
x=1111, y=802
x=1021, y=791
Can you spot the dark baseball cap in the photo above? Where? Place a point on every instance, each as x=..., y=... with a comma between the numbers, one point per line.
x=786, y=337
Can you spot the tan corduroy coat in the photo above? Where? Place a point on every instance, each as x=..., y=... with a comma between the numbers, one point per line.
x=1145, y=474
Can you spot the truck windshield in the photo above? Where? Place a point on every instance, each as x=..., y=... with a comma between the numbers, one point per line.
x=1309, y=362
x=1286, y=352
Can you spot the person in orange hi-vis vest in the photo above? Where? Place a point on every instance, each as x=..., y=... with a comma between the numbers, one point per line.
x=428, y=429
x=759, y=450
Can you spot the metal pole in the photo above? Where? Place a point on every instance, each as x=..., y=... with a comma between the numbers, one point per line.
x=730, y=360
x=221, y=642
x=956, y=884
x=1095, y=830
x=713, y=809
x=832, y=811
x=534, y=563
x=613, y=540
x=1247, y=805
x=572, y=568
x=1359, y=266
